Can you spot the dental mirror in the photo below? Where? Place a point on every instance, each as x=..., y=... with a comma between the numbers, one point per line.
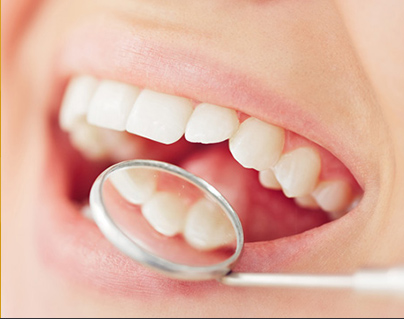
x=168, y=219
x=174, y=222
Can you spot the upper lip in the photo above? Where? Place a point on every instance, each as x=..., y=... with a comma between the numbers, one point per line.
x=135, y=59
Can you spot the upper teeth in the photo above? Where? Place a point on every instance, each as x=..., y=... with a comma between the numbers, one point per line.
x=158, y=116
x=298, y=171
x=77, y=100
x=257, y=144
x=111, y=104
x=211, y=124
x=166, y=118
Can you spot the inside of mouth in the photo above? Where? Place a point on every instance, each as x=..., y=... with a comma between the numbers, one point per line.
x=265, y=212
x=161, y=212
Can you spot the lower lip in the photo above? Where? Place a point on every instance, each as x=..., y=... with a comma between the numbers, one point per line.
x=74, y=246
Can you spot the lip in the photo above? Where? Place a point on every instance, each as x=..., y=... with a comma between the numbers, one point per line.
x=76, y=247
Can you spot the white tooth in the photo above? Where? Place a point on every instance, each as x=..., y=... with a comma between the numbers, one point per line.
x=120, y=146
x=135, y=185
x=160, y=117
x=98, y=143
x=87, y=139
x=298, y=171
x=333, y=196
x=76, y=100
x=307, y=201
x=111, y=104
x=207, y=227
x=166, y=213
x=268, y=180
x=211, y=124
x=257, y=144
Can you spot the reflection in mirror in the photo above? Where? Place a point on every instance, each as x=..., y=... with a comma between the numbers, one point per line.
x=169, y=216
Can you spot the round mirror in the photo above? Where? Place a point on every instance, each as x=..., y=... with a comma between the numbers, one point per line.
x=167, y=218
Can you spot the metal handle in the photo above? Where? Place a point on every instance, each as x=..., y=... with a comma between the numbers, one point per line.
x=380, y=281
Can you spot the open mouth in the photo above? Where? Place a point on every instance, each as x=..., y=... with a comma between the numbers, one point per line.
x=279, y=183
x=256, y=148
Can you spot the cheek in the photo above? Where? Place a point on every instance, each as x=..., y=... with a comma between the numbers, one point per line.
x=376, y=30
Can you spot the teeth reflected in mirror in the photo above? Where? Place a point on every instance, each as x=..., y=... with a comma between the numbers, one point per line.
x=169, y=216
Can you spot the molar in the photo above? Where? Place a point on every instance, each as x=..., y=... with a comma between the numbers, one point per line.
x=257, y=144
x=298, y=171
x=211, y=124
x=111, y=104
x=160, y=117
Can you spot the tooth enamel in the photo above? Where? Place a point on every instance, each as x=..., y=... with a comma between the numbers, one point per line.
x=76, y=100
x=160, y=117
x=298, y=171
x=111, y=104
x=306, y=201
x=136, y=186
x=166, y=213
x=257, y=144
x=120, y=146
x=268, y=180
x=211, y=124
x=88, y=140
x=207, y=227
x=333, y=196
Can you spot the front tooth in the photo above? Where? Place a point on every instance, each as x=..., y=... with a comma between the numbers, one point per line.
x=268, y=180
x=135, y=185
x=307, y=201
x=211, y=124
x=76, y=100
x=333, y=196
x=166, y=213
x=298, y=171
x=111, y=104
x=257, y=144
x=207, y=227
x=160, y=117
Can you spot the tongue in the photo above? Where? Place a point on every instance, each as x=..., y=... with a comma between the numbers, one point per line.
x=265, y=214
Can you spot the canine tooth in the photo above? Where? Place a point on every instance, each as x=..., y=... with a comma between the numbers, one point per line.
x=207, y=227
x=135, y=185
x=211, y=124
x=306, y=201
x=268, y=180
x=111, y=104
x=76, y=100
x=333, y=196
x=298, y=171
x=87, y=139
x=160, y=117
x=166, y=213
x=257, y=144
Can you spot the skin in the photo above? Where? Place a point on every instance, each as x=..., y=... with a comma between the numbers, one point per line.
x=348, y=71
